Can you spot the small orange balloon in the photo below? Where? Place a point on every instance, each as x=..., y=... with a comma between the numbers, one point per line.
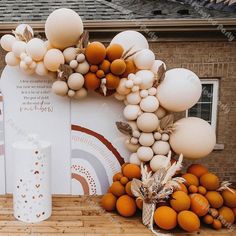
x=128, y=189
x=105, y=66
x=202, y=190
x=193, y=189
x=112, y=81
x=91, y=81
x=130, y=68
x=100, y=74
x=190, y=179
x=93, y=68
x=108, y=202
x=208, y=219
x=216, y=224
x=118, y=67
x=124, y=180
x=117, y=189
x=139, y=203
x=117, y=176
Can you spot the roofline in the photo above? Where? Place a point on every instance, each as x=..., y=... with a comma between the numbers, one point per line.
x=160, y=25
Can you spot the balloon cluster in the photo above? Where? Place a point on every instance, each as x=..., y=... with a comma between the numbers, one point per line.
x=126, y=68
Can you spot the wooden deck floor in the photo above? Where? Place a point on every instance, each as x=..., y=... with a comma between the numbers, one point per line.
x=80, y=216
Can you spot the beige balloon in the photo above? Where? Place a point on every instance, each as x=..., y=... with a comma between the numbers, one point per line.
x=63, y=28
x=180, y=90
x=53, y=58
x=193, y=137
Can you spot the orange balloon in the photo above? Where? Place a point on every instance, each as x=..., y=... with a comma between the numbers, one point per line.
x=197, y=170
x=188, y=221
x=128, y=189
x=132, y=171
x=126, y=206
x=199, y=204
x=91, y=81
x=117, y=189
x=109, y=202
x=180, y=201
x=114, y=51
x=165, y=217
x=95, y=53
x=112, y=81
x=210, y=181
x=190, y=179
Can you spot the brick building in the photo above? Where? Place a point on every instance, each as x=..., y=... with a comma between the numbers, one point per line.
x=198, y=36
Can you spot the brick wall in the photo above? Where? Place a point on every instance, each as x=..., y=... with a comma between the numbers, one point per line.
x=211, y=59
x=207, y=59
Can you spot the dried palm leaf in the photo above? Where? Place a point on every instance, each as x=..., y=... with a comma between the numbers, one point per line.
x=64, y=71
x=160, y=75
x=124, y=127
x=225, y=185
x=25, y=36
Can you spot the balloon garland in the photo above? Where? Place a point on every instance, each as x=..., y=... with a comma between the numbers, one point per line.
x=127, y=69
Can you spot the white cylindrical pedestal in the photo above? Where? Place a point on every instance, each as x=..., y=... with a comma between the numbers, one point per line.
x=32, y=199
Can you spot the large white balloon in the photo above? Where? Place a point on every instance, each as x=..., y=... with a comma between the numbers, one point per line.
x=63, y=28
x=193, y=137
x=131, y=39
x=7, y=41
x=180, y=90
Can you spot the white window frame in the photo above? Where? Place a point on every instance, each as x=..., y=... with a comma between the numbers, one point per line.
x=215, y=100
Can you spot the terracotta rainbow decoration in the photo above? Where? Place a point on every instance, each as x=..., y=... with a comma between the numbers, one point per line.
x=128, y=70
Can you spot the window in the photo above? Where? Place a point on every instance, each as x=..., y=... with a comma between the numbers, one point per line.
x=206, y=107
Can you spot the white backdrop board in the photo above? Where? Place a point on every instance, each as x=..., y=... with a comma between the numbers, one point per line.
x=87, y=148
x=31, y=108
x=97, y=147
x=2, y=158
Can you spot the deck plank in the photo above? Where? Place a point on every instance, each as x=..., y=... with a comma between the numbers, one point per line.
x=81, y=216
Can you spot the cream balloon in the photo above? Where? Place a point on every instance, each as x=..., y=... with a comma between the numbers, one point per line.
x=41, y=69
x=18, y=47
x=147, y=78
x=82, y=93
x=158, y=162
x=146, y=139
x=63, y=28
x=70, y=54
x=133, y=159
x=131, y=40
x=121, y=89
x=193, y=137
x=53, y=58
x=180, y=90
x=7, y=41
x=161, y=147
x=75, y=81
x=131, y=112
x=11, y=59
x=147, y=122
x=145, y=153
x=36, y=49
x=149, y=104
x=133, y=98
x=60, y=88
x=144, y=59
x=82, y=68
